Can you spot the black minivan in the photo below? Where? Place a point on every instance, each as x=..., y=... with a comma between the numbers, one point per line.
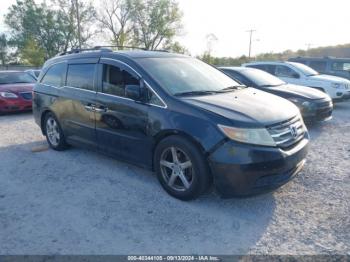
x=186, y=120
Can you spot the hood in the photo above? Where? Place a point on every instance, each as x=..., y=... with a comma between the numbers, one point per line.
x=247, y=107
x=329, y=78
x=17, y=88
x=289, y=90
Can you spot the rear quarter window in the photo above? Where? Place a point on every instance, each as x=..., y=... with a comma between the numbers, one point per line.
x=54, y=76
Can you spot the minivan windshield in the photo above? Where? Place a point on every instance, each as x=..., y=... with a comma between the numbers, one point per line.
x=15, y=77
x=308, y=71
x=261, y=78
x=187, y=76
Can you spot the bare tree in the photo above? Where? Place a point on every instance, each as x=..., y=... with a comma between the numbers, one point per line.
x=114, y=16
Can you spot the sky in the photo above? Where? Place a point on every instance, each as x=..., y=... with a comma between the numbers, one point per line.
x=279, y=24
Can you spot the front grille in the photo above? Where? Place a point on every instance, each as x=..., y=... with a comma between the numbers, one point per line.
x=323, y=104
x=26, y=95
x=287, y=133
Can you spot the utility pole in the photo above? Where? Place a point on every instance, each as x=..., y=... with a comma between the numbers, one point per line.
x=78, y=21
x=251, y=31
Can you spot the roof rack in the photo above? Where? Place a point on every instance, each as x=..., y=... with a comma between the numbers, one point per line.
x=104, y=48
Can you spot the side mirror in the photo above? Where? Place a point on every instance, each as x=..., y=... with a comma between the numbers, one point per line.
x=295, y=75
x=137, y=92
x=133, y=92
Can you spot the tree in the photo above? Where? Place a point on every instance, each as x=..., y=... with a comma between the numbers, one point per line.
x=32, y=53
x=77, y=19
x=3, y=49
x=28, y=20
x=155, y=21
x=114, y=17
x=53, y=30
x=176, y=47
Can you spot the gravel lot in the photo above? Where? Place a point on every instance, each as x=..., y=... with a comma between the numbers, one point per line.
x=81, y=202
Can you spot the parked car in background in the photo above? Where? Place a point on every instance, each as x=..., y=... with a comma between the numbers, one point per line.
x=314, y=105
x=34, y=72
x=15, y=91
x=326, y=65
x=173, y=114
x=296, y=73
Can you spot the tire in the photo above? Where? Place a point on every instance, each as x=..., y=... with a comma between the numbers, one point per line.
x=187, y=176
x=53, y=132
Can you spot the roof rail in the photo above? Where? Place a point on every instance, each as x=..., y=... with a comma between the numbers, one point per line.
x=102, y=48
x=119, y=47
x=105, y=48
x=80, y=50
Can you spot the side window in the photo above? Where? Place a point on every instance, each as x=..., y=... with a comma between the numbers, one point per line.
x=81, y=76
x=319, y=66
x=270, y=69
x=115, y=79
x=238, y=77
x=340, y=66
x=54, y=75
x=154, y=99
x=284, y=71
x=261, y=67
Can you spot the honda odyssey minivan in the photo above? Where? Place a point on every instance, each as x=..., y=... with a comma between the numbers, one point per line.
x=186, y=120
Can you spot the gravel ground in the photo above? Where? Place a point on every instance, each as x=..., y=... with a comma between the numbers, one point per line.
x=81, y=202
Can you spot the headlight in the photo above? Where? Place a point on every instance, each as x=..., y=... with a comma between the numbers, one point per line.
x=8, y=95
x=301, y=103
x=338, y=86
x=256, y=136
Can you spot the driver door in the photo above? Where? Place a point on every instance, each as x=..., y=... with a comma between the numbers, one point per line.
x=121, y=123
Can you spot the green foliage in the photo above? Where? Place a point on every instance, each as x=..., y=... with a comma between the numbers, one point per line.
x=114, y=18
x=68, y=17
x=32, y=53
x=52, y=29
x=155, y=22
x=176, y=47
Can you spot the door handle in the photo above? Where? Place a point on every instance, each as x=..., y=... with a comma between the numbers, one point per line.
x=89, y=108
x=100, y=108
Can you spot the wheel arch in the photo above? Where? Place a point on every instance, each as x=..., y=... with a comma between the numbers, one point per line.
x=173, y=132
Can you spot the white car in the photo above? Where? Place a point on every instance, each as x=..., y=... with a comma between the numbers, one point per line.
x=295, y=73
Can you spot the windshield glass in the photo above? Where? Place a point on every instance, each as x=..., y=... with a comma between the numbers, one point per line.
x=15, y=77
x=181, y=75
x=261, y=78
x=308, y=71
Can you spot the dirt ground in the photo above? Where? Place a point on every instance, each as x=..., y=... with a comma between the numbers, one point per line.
x=81, y=202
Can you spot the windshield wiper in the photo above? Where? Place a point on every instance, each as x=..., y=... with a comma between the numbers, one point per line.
x=230, y=88
x=271, y=85
x=194, y=93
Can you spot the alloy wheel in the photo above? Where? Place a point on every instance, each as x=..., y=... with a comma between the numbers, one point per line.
x=176, y=169
x=52, y=131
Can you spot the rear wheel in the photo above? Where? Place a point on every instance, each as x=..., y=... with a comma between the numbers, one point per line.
x=54, y=133
x=181, y=168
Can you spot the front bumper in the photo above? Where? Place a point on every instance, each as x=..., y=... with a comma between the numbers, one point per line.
x=14, y=105
x=241, y=170
x=322, y=112
x=343, y=96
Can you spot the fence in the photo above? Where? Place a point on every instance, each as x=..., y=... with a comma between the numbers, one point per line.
x=17, y=67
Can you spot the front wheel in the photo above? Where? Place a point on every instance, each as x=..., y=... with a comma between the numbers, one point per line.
x=181, y=168
x=54, y=133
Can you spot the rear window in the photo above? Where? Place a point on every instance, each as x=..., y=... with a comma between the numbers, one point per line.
x=54, y=75
x=81, y=76
x=16, y=77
